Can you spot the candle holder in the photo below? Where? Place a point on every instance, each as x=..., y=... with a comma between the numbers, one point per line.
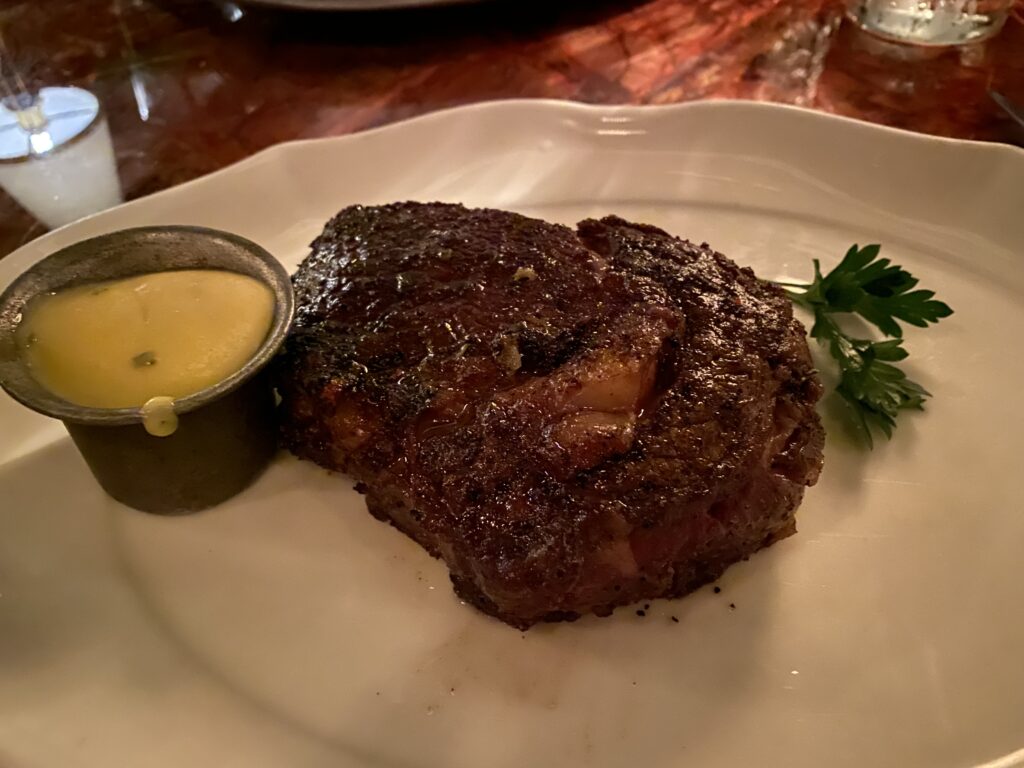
x=56, y=156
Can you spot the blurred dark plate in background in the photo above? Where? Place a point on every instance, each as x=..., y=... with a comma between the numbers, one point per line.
x=352, y=5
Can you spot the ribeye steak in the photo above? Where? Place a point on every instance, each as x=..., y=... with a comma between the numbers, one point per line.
x=571, y=420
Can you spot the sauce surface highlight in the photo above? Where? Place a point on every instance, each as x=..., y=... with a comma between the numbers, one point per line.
x=119, y=343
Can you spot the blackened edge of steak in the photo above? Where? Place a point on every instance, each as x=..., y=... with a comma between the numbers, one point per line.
x=572, y=421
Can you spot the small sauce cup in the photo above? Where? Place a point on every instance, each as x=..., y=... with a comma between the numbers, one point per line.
x=226, y=433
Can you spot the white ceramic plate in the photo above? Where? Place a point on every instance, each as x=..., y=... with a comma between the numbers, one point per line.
x=289, y=628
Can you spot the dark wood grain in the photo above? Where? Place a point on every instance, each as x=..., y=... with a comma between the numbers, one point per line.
x=189, y=87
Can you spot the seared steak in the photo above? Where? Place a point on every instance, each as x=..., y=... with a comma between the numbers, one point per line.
x=571, y=420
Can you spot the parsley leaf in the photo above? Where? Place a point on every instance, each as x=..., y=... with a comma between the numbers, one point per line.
x=882, y=294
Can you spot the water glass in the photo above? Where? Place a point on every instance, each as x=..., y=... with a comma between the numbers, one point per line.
x=931, y=22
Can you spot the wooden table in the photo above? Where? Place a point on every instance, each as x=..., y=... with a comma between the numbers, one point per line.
x=189, y=87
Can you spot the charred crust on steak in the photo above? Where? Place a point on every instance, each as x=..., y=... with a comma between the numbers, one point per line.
x=623, y=423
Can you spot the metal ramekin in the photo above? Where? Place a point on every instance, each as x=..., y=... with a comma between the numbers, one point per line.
x=226, y=433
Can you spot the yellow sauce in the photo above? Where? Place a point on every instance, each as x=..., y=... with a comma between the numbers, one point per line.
x=158, y=416
x=148, y=339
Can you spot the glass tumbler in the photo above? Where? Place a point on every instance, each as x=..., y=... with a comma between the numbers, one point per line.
x=930, y=22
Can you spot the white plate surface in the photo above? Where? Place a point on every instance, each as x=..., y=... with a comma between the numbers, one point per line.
x=288, y=628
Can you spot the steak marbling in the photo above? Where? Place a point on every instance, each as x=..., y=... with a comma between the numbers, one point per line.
x=571, y=420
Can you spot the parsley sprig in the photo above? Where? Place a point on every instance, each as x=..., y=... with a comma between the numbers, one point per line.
x=883, y=294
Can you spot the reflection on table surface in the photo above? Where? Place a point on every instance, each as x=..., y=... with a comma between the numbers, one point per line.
x=190, y=86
